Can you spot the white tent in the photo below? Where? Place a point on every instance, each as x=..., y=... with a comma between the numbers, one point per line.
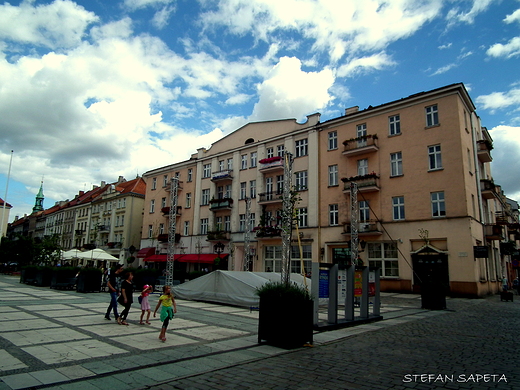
x=97, y=254
x=230, y=287
x=71, y=254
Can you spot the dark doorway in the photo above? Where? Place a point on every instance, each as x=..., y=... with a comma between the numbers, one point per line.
x=430, y=267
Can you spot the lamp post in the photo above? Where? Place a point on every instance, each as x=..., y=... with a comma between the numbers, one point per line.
x=219, y=248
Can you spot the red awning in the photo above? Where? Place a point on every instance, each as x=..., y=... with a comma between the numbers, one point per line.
x=145, y=252
x=208, y=258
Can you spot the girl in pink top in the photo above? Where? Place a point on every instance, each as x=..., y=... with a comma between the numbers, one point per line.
x=145, y=305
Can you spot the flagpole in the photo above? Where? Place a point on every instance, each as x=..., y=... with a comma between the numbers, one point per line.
x=5, y=196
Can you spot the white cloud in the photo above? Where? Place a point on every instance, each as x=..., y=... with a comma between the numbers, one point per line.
x=447, y=46
x=510, y=49
x=499, y=100
x=514, y=17
x=59, y=24
x=506, y=159
x=290, y=92
x=161, y=17
x=240, y=98
x=377, y=61
x=444, y=69
x=477, y=7
x=140, y=4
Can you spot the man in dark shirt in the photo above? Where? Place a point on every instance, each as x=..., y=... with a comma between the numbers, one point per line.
x=113, y=285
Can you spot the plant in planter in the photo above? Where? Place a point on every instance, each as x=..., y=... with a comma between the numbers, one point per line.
x=286, y=315
x=64, y=277
x=89, y=280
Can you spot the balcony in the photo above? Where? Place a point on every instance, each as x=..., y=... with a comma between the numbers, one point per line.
x=484, y=150
x=501, y=218
x=267, y=232
x=164, y=237
x=270, y=197
x=220, y=204
x=494, y=232
x=166, y=211
x=365, y=183
x=103, y=228
x=271, y=164
x=79, y=232
x=360, y=145
x=487, y=188
x=367, y=228
x=222, y=175
x=168, y=187
x=218, y=235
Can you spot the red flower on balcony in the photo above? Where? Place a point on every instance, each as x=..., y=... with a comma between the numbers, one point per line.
x=270, y=160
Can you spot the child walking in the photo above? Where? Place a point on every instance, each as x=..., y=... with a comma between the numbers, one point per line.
x=145, y=305
x=169, y=307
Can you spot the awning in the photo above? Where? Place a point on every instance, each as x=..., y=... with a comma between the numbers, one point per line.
x=145, y=252
x=208, y=258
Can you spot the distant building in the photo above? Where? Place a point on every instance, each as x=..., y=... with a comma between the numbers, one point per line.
x=5, y=208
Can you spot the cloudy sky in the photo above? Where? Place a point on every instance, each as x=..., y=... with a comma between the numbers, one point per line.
x=90, y=90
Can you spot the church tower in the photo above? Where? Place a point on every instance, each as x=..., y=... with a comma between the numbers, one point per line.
x=38, y=205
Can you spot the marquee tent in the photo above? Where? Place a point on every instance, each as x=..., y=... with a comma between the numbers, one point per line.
x=230, y=287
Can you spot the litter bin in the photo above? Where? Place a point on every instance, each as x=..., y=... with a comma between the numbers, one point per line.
x=433, y=296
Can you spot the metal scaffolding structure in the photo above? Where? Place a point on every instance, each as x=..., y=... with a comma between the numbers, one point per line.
x=287, y=218
x=247, y=236
x=172, y=228
x=354, y=223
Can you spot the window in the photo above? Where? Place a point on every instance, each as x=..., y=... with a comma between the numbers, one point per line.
x=273, y=258
x=398, y=208
x=204, y=226
x=396, y=164
x=230, y=164
x=163, y=202
x=152, y=206
x=186, y=228
x=243, y=192
x=280, y=149
x=438, y=205
x=301, y=216
x=394, y=125
x=227, y=194
x=206, y=170
x=218, y=223
x=253, y=159
x=333, y=215
x=243, y=161
x=301, y=147
x=270, y=152
x=161, y=228
x=150, y=231
x=188, y=200
x=333, y=140
x=362, y=167
x=333, y=175
x=242, y=223
x=220, y=192
x=252, y=218
x=122, y=220
x=252, y=189
x=220, y=165
x=117, y=221
x=432, y=116
x=384, y=256
x=190, y=174
x=269, y=187
x=279, y=184
x=165, y=181
x=361, y=131
x=227, y=223
x=205, y=197
x=434, y=157
x=154, y=183
x=301, y=180
x=364, y=211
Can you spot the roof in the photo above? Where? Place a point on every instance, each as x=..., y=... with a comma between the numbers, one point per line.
x=136, y=186
x=7, y=205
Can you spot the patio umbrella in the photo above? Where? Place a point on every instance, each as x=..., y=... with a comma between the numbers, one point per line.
x=97, y=254
x=71, y=254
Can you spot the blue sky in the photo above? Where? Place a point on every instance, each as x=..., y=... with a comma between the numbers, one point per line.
x=90, y=90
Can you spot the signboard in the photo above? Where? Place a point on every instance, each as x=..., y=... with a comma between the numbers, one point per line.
x=324, y=283
x=358, y=283
x=480, y=252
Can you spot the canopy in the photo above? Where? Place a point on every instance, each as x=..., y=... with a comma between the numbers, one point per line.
x=97, y=254
x=70, y=254
x=145, y=252
x=230, y=287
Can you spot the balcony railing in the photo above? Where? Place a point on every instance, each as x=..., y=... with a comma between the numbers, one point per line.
x=270, y=197
x=366, y=228
x=494, y=232
x=487, y=188
x=220, y=204
x=222, y=175
x=360, y=145
x=271, y=164
x=484, y=150
x=164, y=237
x=267, y=231
x=166, y=210
x=218, y=235
x=365, y=183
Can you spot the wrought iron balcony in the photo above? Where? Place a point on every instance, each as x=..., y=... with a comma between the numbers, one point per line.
x=361, y=145
x=220, y=204
x=270, y=197
x=365, y=183
x=365, y=228
x=222, y=175
x=267, y=231
x=218, y=235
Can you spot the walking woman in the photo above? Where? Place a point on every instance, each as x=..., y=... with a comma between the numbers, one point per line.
x=169, y=307
x=126, y=298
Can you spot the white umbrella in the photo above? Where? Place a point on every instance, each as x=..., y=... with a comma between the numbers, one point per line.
x=97, y=254
x=71, y=254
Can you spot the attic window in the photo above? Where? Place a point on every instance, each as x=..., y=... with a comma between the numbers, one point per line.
x=249, y=141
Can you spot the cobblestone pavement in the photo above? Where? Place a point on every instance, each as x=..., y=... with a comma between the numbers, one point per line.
x=474, y=345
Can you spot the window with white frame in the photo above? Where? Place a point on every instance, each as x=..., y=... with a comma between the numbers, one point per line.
x=242, y=223
x=253, y=159
x=362, y=167
x=206, y=170
x=227, y=194
x=270, y=152
x=205, y=197
x=383, y=255
x=333, y=175
x=434, y=157
x=122, y=220
x=364, y=211
x=252, y=218
x=161, y=228
x=163, y=203
x=398, y=208
x=280, y=150
x=252, y=189
x=186, y=228
x=302, y=147
x=279, y=184
x=361, y=132
x=154, y=183
x=230, y=164
x=432, y=116
x=218, y=223
x=117, y=220
x=221, y=165
x=150, y=231
x=243, y=161
x=188, y=200
x=227, y=223
x=394, y=125
x=333, y=215
x=220, y=192
x=438, y=205
x=301, y=180
x=165, y=181
x=396, y=164
x=152, y=206
x=302, y=217
x=333, y=140
x=243, y=190
x=204, y=226
x=190, y=174
x=273, y=258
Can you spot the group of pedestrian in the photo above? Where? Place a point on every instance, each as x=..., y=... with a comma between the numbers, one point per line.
x=121, y=291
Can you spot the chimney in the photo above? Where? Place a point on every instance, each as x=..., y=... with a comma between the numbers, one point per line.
x=351, y=110
x=103, y=183
x=121, y=179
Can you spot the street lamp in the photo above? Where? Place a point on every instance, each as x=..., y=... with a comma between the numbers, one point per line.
x=219, y=248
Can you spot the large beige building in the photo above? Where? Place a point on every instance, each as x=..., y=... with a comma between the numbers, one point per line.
x=427, y=206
